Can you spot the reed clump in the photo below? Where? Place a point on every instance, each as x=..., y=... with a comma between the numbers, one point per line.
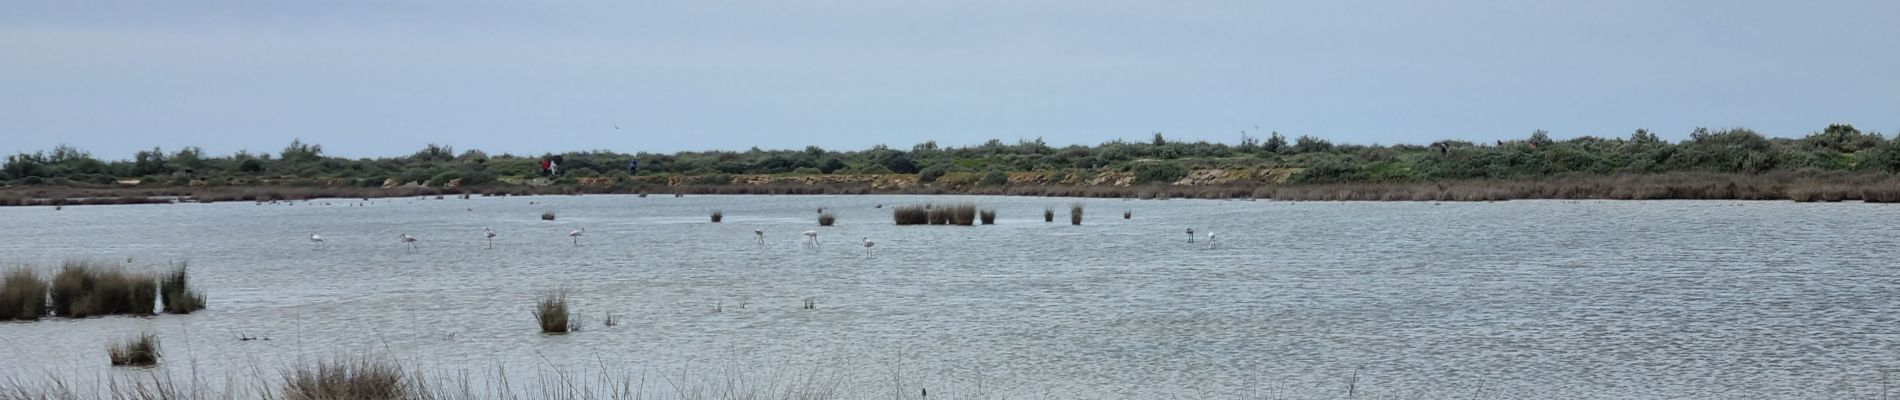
x=22, y=295
x=135, y=352
x=362, y=378
x=827, y=218
x=960, y=214
x=910, y=215
x=551, y=313
x=1075, y=214
x=175, y=293
x=937, y=216
x=84, y=289
x=547, y=216
x=988, y=215
x=718, y=215
x=1126, y=214
x=1048, y=214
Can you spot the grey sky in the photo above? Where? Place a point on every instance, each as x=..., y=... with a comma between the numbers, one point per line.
x=385, y=78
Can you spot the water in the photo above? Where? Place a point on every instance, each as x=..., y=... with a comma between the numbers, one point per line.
x=1522, y=299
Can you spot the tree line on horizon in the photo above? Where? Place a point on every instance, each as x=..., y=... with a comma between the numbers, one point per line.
x=1839, y=148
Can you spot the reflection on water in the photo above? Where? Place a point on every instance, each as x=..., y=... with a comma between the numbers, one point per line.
x=1456, y=300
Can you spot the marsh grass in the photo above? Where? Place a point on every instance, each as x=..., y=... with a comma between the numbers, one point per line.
x=1048, y=214
x=960, y=214
x=84, y=289
x=22, y=295
x=1075, y=214
x=135, y=352
x=547, y=216
x=551, y=313
x=175, y=294
x=937, y=216
x=988, y=216
x=1126, y=214
x=827, y=218
x=910, y=215
x=343, y=378
x=718, y=215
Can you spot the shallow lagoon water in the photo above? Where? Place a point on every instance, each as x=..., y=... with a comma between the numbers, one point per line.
x=1521, y=299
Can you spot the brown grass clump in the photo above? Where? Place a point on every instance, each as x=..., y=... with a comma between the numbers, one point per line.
x=827, y=218
x=960, y=214
x=347, y=379
x=910, y=215
x=135, y=352
x=85, y=289
x=175, y=294
x=547, y=216
x=1075, y=214
x=551, y=313
x=22, y=295
x=988, y=216
x=718, y=215
x=1048, y=214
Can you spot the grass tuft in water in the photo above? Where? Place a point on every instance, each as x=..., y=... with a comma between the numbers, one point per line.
x=1048, y=214
x=85, y=289
x=718, y=215
x=827, y=218
x=911, y=215
x=960, y=214
x=1075, y=214
x=988, y=216
x=175, y=294
x=551, y=313
x=22, y=295
x=135, y=352
x=547, y=216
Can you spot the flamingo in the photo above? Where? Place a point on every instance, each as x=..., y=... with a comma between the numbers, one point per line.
x=1210, y=241
x=867, y=246
x=317, y=240
x=811, y=237
x=760, y=234
x=489, y=233
x=576, y=234
x=1190, y=235
x=409, y=240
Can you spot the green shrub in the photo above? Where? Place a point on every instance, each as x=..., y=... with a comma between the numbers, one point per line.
x=1162, y=172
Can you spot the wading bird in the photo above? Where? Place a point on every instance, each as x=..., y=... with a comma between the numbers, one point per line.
x=867, y=246
x=408, y=240
x=576, y=234
x=489, y=234
x=1190, y=235
x=1211, y=244
x=760, y=234
x=811, y=237
x=316, y=240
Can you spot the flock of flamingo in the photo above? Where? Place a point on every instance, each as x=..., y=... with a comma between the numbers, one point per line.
x=488, y=234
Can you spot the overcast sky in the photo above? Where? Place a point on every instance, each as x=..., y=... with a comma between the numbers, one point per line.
x=385, y=77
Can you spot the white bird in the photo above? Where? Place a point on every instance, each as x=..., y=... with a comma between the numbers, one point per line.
x=576, y=234
x=317, y=240
x=1190, y=235
x=760, y=233
x=1210, y=241
x=811, y=237
x=408, y=240
x=489, y=233
x=867, y=245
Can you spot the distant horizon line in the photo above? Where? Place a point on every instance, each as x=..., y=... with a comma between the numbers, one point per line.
x=1241, y=137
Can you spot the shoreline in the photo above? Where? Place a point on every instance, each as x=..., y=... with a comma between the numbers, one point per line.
x=1873, y=188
